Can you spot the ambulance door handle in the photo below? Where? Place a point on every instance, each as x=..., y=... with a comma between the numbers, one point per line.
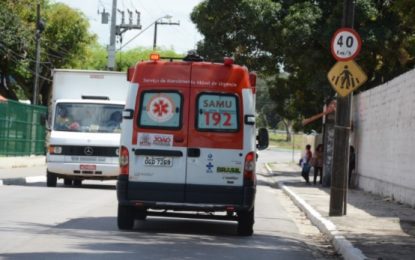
x=193, y=152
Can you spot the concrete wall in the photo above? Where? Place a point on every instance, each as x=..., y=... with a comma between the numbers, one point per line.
x=384, y=138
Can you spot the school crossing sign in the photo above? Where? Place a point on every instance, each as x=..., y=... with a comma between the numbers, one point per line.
x=345, y=77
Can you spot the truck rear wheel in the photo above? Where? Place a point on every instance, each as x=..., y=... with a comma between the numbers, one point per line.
x=246, y=223
x=125, y=217
x=51, y=179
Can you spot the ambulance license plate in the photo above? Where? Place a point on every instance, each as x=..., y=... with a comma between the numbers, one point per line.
x=158, y=161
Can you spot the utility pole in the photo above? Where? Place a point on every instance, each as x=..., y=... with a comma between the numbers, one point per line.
x=39, y=29
x=161, y=23
x=111, y=46
x=118, y=30
x=338, y=192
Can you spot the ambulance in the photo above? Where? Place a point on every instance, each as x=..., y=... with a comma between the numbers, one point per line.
x=189, y=143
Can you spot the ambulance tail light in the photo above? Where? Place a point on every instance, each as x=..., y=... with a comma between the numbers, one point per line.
x=249, y=169
x=124, y=161
x=228, y=61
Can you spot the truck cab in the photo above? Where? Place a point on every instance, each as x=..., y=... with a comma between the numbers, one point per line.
x=86, y=116
x=188, y=143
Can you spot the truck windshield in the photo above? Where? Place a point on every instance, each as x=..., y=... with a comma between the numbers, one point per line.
x=84, y=117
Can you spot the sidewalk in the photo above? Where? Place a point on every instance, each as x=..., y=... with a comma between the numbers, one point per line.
x=22, y=170
x=22, y=161
x=374, y=227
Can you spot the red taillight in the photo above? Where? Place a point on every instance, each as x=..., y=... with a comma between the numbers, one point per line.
x=249, y=168
x=227, y=61
x=124, y=161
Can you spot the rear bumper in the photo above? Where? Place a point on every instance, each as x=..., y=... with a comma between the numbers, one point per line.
x=184, y=197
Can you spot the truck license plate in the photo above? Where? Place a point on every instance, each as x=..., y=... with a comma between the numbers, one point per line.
x=158, y=161
x=88, y=167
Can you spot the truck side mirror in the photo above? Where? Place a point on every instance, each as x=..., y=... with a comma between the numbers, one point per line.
x=262, y=138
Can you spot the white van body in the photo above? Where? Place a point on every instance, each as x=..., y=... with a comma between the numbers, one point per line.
x=89, y=148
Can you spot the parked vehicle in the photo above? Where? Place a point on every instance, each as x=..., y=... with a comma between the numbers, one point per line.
x=86, y=113
x=188, y=143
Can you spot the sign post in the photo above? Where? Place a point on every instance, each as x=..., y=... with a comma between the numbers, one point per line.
x=345, y=46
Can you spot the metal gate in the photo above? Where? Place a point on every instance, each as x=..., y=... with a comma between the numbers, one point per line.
x=21, y=129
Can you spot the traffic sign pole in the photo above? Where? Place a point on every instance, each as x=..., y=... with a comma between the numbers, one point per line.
x=339, y=178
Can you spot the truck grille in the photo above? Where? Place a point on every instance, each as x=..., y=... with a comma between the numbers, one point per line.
x=90, y=151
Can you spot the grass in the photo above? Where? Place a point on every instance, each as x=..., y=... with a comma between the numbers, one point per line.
x=279, y=140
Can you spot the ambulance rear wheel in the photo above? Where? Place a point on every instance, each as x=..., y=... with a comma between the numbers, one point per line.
x=141, y=214
x=125, y=218
x=51, y=179
x=246, y=223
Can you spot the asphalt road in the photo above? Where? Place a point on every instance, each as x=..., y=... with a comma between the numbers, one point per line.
x=37, y=222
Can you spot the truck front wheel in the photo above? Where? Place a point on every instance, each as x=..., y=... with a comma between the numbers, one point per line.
x=77, y=182
x=246, y=223
x=125, y=217
x=51, y=179
x=67, y=182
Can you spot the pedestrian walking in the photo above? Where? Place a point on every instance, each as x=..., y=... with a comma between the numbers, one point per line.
x=306, y=163
x=317, y=163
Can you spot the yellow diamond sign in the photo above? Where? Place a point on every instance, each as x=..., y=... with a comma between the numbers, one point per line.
x=345, y=77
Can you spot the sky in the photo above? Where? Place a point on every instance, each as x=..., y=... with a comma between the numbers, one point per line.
x=180, y=38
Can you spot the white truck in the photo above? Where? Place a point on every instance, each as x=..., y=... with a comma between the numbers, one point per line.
x=85, y=115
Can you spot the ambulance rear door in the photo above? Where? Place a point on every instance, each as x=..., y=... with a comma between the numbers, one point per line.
x=160, y=134
x=215, y=143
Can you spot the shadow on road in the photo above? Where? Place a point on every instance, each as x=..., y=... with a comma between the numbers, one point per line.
x=41, y=184
x=156, y=238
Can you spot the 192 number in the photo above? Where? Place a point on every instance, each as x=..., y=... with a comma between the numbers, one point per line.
x=215, y=118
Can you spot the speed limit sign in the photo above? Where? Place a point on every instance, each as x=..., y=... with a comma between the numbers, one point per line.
x=345, y=44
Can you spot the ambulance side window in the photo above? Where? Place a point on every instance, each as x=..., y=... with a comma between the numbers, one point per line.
x=217, y=112
x=160, y=109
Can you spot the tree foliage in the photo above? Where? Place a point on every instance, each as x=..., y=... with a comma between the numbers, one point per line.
x=280, y=37
x=64, y=43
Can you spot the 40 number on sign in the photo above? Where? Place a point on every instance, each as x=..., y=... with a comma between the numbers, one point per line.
x=345, y=44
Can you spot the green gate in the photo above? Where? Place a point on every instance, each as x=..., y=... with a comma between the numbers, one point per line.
x=21, y=129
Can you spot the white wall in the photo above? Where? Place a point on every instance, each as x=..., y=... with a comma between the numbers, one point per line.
x=384, y=137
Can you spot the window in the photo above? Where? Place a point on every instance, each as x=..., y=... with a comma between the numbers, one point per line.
x=160, y=110
x=88, y=117
x=217, y=112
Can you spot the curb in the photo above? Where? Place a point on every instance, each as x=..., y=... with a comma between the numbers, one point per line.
x=23, y=180
x=340, y=243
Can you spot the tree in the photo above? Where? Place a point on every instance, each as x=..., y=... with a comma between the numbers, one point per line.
x=12, y=48
x=64, y=41
x=293, y=37
x=63, y=44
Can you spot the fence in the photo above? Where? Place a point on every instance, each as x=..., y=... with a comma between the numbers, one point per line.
x=21, y=130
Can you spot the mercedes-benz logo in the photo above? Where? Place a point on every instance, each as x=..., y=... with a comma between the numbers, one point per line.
x=88, y=150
